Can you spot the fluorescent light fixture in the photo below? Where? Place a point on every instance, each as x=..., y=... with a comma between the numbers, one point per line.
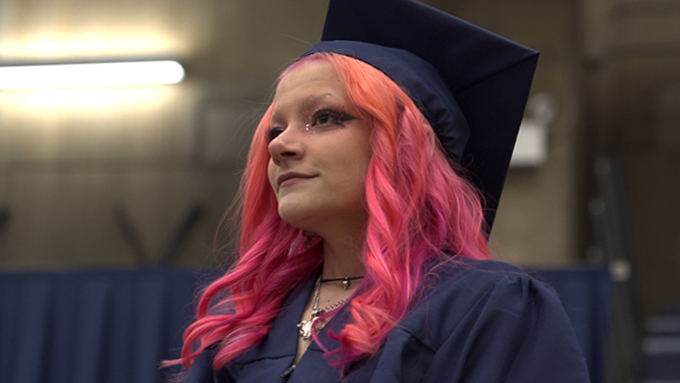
x=90, y=75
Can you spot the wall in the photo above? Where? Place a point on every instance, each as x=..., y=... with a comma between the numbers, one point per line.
x=541, y=215
x=67, y=163
x=633, y=70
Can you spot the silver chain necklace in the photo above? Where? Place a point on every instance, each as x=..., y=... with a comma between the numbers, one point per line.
x=306, y=326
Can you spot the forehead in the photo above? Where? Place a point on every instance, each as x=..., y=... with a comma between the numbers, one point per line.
x=307, y=83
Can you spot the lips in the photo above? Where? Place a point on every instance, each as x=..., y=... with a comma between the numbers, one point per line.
x=291, y=176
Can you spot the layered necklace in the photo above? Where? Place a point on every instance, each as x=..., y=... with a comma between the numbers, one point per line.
x=306, y=327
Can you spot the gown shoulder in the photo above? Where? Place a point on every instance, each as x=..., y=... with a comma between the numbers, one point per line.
x=477, y=321
x=488, y=321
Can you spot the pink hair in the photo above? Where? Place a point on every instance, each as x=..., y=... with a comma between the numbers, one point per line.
x=418, y=209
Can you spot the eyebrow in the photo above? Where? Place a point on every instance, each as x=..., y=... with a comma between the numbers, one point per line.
x=320, y=97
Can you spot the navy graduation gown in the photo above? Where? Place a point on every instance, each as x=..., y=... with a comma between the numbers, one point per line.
x=483, y=322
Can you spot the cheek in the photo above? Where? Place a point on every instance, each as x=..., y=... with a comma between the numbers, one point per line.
x=362, y=157
x=272, y=174
x=353, y=179
x=353, y=160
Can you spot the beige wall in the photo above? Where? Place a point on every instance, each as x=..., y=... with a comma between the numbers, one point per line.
x=540, y=220
x=633, y=55
x=66, y=163
x=67, y=158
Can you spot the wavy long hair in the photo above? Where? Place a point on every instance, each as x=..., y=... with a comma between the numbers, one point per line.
x=418, y=207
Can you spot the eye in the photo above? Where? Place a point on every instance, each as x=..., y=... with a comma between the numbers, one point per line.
x=274, y=132
x=330, y=116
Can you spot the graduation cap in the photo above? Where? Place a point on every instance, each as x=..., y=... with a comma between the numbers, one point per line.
x=471, y=84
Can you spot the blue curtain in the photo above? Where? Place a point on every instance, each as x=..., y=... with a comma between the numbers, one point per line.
x=116, y=326
x=87, y=327
x=586, y=294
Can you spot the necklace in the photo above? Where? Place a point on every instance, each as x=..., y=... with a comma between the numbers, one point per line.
x=346, y=281
x=306, y=327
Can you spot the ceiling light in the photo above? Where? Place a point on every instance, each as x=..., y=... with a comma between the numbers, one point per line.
x=89, y=75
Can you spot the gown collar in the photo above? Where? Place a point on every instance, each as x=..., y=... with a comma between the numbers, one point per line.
x=282, y=338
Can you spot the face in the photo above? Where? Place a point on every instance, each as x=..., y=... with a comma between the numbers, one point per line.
x=319, y=151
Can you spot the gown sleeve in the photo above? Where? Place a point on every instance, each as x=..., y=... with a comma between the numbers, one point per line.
x=201, y=370
x=514, y=330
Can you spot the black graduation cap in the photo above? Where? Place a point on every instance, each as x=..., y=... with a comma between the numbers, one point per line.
x=471, y=84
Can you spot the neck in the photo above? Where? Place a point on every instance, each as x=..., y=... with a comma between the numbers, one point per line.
x=342, y=257
x=343, y=240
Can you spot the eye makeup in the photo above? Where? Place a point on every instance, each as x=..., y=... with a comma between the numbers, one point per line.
x=326, y=117
x=274, y=132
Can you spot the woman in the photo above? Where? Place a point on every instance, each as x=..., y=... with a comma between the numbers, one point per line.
x=363, y=251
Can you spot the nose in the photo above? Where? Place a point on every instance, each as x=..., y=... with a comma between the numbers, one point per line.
x=286, y=146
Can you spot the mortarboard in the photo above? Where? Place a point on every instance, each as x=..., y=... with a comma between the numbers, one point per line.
x=471, y=84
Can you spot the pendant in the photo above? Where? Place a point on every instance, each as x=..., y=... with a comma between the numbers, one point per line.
x=305, y=328
x=346, y=283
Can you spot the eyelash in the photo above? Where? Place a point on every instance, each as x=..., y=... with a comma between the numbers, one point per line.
x=273, y=133
x=337, y=117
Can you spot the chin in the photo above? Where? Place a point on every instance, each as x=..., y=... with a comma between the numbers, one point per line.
x=295, y=217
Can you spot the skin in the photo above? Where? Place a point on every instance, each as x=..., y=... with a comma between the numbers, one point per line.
x=317, y=136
